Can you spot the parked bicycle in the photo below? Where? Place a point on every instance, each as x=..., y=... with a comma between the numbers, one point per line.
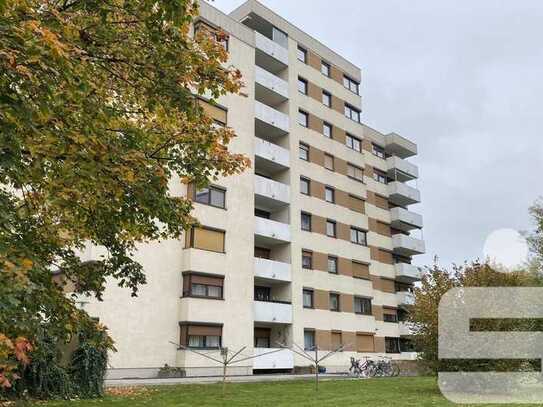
x=385, y=368
x=371, y=368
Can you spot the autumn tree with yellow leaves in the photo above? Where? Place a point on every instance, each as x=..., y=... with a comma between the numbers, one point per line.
x=98, y=112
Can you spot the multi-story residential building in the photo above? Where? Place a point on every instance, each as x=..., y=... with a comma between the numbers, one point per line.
x=311, y=247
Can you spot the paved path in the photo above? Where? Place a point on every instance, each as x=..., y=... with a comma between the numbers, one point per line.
x=217, y=379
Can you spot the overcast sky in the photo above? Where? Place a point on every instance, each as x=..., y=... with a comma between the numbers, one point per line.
x=464, y=80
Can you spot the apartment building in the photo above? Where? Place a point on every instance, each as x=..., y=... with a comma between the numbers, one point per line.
x=310, y=247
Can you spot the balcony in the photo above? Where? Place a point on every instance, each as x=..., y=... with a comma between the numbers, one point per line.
x=271, y=232
x=402, y=194
x=269, y=54
x=407, y=273
x=405, y=329
x=281, y=359
x=401, y=170
x=407, y=245
x=405, y=298
x=270, y=157
x=269, y=88
x=273, y=312
x=270, y=194
x=399, y=146
x=270, y=122
x=405, y=220
x=272, y=270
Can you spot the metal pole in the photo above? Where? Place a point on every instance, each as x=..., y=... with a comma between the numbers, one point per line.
x=316, y=368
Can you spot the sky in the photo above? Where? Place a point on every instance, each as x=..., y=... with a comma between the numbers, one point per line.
x=464, y=80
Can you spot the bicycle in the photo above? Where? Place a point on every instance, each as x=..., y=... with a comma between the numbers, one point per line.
x=366, y=369
x=385, y=368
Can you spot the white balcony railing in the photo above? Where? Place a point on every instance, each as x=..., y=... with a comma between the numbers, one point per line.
x=403, y=194
x=272, y=231
x=407, y=245
x=400, y=146
x=401, y=169
x=405, y=329
x=271, y=48
x=405, y=298
x=277, y=121
x=407, y=273
x=271, y=82
x=273, y=312
x=405, y=220
x=279, y=359
x=271, y=192
x=274, y=155
x=272, y=270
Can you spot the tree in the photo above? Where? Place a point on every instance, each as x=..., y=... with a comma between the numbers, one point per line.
x=436, y=281
x=535, y=239
x=99, y=112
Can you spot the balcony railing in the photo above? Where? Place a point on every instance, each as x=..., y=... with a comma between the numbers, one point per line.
x=271, y=157
x=270, y=122
x=272, y=270
x=403, y=194
x=405, y=298
x=405, y=220
x=280, y=359
x=273, y=312
x=407, y=245
x=270, y=55
x=271, y=194
x=399, y=146
x=401, y=170
x=407, y=273
x=270, y=88
x=271, y=231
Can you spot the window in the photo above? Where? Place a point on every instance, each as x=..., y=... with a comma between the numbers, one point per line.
x=307, y=259
x=309, y=339
x=302, y=54
x=327, y=130
x=306, y=221
x=305, y=186
x=332, y=264
x=329, y=162
x=392, y=345
x=303, y=118
x=280, y=37
x=358, y=236
x=352, y=113
x=351, y=84
x=211, y=196
x=379, y=176
x=325, y=68
x=378, y=151
x=206, y=239
x=262, y=337
x=337, y=341
x=303, y=152
x=302, y=85
x=353, y=143
x=261, y=213
x=202, y=285
x=326, y=98
x=390, y=317
x=216, y=34
x=200, y=335
x=334, y=302
x=262, y=253
x=330, y=194
x=308, y=298
x=214, y=111
x=355, y=172
x=330, y=228
x=362, y=306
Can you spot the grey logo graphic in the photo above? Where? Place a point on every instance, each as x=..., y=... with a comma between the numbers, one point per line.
x=456, y=341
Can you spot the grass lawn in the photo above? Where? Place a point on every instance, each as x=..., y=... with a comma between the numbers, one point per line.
x=393, y=392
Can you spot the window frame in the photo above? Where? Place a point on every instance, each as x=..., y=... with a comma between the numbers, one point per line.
x=331, y=130
x=307, y=181
x=308, y=216
x=334, y=226
x=328, y=67
x=326, y=96
x=311, y=294
x=362, y=308
x=307, y=254
x=303, y=113
x=358, y=233
x=378, y=151
x=302, y=81
x=348, y=83
x=380, y=176
x=332, y=191
x=351, y=141
x=313, y=339
x=337, y=297
x=211, y=189
x=330, y=156
x=301, y=51
x=350, y=111
x=332, y=260
x=303, y=147
x=396, y=349
x=356, y=168
x=191, y=238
